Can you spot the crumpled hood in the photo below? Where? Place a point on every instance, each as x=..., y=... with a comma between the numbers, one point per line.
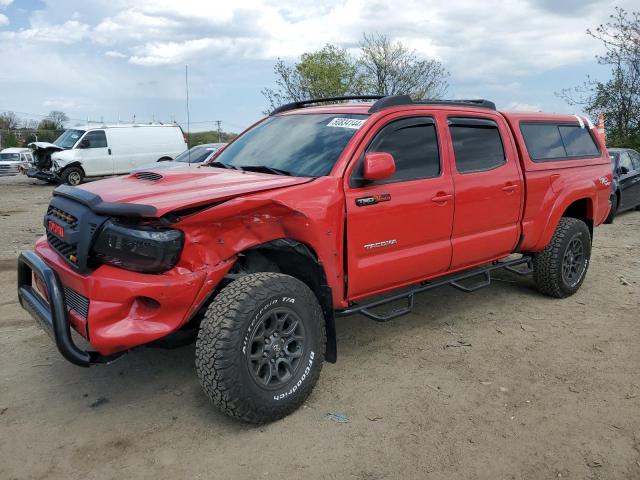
x=45, y=146
x=179, y=188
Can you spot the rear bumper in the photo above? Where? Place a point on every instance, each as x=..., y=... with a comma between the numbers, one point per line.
x=123, y=309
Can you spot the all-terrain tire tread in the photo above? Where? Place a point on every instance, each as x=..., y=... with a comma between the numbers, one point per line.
x=547, y=265
x=221, y=332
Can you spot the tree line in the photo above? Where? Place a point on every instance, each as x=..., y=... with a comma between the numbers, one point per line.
x=15, y=131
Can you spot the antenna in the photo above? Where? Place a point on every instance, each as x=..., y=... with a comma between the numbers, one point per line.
x=186, y=82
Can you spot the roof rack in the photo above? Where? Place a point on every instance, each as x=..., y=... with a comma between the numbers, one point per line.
x=387, y=101
x=395, y=100
x=306, y=103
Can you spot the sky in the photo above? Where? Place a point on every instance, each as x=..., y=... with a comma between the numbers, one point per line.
x=108, y=60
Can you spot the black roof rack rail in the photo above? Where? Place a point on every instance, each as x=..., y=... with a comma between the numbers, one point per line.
x=305, y=103
x=383, y=102
x=395, y=100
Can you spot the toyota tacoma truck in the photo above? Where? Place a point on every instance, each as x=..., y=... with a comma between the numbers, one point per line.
x=318, y=211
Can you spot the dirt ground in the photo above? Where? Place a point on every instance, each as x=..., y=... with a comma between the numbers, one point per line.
x=546, y=388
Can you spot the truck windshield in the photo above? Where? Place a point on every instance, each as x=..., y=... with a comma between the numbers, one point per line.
x=305, y=145
x=13, y=157
x=68, y=139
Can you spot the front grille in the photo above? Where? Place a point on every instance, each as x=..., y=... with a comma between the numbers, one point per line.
x=77, y=302
x=70, y=252
x=148, y=176
x=8, y=169
x=64, y=216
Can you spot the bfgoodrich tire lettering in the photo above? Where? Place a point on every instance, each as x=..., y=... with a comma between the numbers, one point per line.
x=560, y=268
x=239, y=327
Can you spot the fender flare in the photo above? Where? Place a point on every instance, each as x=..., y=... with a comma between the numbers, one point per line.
x=560, y=206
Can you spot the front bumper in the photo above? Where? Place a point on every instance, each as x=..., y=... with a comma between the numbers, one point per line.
x=51, y=315
x=42, y=175
x=124, y=309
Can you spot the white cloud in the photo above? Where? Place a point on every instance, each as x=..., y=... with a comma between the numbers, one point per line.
x=5, y=3
x=4, y=20
x=115, y=54
x=68, y=32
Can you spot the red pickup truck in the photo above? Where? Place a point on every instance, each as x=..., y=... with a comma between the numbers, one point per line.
x=315, y=212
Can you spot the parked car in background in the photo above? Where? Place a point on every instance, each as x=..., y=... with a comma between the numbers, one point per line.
x=625, y=192
x=197, y=155
x=98, y=151
x=12, y=158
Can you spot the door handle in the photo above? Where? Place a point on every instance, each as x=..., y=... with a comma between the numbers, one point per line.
x=442, y=197
x=510, y=188
x=109, y=150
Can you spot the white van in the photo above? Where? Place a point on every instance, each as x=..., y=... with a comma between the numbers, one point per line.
x=97, y=151
x=12, y=158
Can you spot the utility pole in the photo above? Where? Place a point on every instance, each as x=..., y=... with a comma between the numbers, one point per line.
x=218, y=122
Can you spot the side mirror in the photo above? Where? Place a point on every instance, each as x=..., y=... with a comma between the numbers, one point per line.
x=622, y=170
x=84, y=143
x=378, y=166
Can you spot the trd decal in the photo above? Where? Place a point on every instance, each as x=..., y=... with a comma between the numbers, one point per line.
x=373, y=199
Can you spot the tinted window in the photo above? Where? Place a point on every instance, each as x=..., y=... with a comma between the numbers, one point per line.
x=303, y=144
x=577, y=141
x=477, y=147
x=550, y=141
x=625, y=161
x=543, y=141
x=414, y=146
x=635, y=159
x=95, y=139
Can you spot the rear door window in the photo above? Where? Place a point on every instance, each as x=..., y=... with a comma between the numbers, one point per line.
x=476, y=144
x=552, y=141
x=625, y=165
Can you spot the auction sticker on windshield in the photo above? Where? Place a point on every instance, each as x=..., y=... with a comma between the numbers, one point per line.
x=354, y=123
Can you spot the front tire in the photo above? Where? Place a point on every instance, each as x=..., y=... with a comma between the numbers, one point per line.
x=559, y=270
x=261, y=346
x=72, y=176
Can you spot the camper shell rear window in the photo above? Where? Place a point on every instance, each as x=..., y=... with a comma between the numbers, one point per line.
x=552, y=141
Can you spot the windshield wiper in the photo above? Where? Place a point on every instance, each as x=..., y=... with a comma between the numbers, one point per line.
x=263, y=168
x=222, y=165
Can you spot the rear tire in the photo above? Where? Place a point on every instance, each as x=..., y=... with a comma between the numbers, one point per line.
x=261, y=346
x=72, y=176
x=560, y=268
x=615, y=201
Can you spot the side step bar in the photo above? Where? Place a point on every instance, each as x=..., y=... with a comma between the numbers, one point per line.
x=453, y=280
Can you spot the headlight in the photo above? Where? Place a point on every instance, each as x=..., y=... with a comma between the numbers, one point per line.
x=140, y=249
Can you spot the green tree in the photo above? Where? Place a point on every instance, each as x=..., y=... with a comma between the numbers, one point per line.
x=618, y=98
x=47, y=124
x=329, y=72
x=8, y=139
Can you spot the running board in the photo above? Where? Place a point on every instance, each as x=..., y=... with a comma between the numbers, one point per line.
x=455, y=281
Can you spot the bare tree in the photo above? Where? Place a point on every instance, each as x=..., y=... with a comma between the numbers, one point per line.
x=9, y=121
x=390, y=68
x=58, y=119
